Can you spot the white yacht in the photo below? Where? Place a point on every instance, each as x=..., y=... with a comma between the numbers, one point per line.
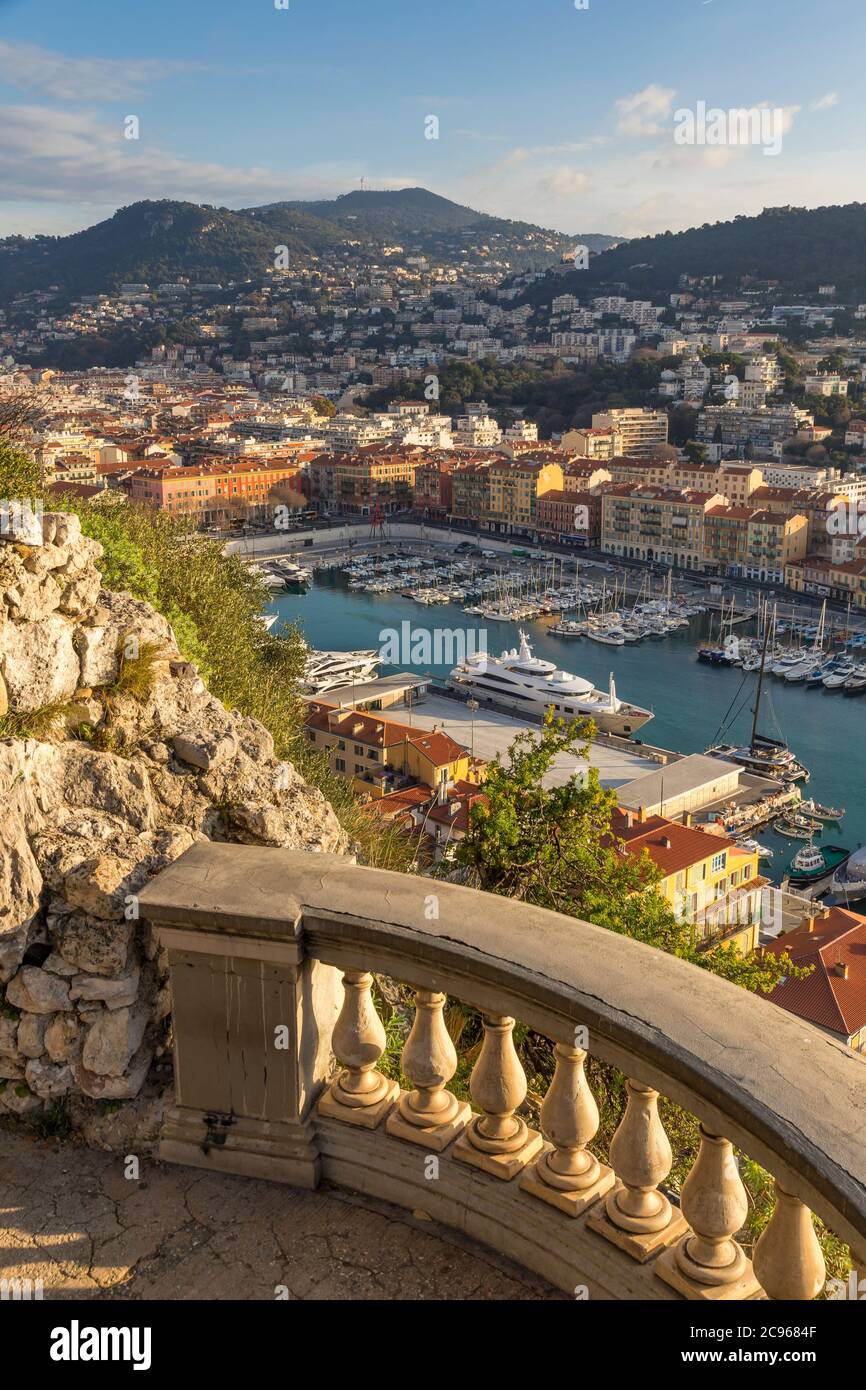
x=333, y=670
x=522, y=681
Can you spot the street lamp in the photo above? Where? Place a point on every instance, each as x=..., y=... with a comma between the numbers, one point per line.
x=472, y=705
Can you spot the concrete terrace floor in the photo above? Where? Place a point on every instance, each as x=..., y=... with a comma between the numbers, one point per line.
x=494, y=732
x=69, y=1217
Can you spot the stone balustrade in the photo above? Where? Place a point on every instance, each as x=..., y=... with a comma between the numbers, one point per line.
x=272, y=956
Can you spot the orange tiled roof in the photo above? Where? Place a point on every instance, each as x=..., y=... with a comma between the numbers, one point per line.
x=833, y=996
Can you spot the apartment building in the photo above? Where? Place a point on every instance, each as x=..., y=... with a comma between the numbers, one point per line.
x=825, y=578
x=362, y=482
x=705, y=878
x=470, y=492
x=477, y=432
x=569, y=516
x=724, y=427
x=825, y=384
x=432, y=492
x=595, y=444
x=515, y=487
x=773, y=542
x=210, y=492
x=655, y=523
x=641, y=430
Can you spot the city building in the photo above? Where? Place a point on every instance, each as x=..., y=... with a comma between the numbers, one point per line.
x=640, y=429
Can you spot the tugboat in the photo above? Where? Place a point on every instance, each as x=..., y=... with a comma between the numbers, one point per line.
x=811, y=867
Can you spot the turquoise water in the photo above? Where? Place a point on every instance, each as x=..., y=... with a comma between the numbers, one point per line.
x=689, y=700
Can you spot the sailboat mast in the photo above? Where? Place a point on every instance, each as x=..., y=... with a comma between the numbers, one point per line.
x=760, y=687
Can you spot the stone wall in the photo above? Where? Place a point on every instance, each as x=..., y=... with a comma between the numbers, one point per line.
x=117, y=785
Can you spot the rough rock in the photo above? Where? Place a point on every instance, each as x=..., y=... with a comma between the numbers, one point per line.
x=39, y=663
x=125, y=778
x=89, y=943
x=201, y=751
x=48, y=1079
x=114, y=994
x=37, y=992
x=103, y=1086
x=31, y=1034
x=63, y=1038
x=113, y=1040
x=8, y=1036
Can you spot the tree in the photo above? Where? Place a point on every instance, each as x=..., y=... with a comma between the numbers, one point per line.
x=554, y=847
x=695, y=452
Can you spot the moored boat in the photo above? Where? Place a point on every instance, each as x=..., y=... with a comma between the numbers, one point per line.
x=812, y=866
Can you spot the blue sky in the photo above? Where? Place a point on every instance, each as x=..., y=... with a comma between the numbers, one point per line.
x=547, y=112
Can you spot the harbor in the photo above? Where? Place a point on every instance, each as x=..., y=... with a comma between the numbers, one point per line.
x=689, y=700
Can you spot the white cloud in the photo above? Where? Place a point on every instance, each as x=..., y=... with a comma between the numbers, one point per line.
x=73, y=157
x=824, y=103
x=563, y=183
x=641, y=113
x=35, y=69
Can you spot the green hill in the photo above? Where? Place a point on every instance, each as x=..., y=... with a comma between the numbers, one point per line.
x=798, y=247
x=156, y=242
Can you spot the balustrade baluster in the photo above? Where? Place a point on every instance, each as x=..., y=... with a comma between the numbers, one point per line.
x=708, y=1263
x=359, y=1095
x=567, y=1175
x=636, y=1217
x=429, y=1114
x=498, y=1140
x=788, y=1261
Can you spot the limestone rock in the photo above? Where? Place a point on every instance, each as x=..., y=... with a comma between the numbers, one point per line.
x=201, y=750
x=83, y=829
x=8, y=1035
x=89, y=943
x=103, y=1086
x=37, y=992
x=63, y=1038
x=112, y=1041
x=19, y=1099
x=117, y=786
x=115, y=994
x=122, y=624
x=20, y=879
x=48, y=1079
x=31, y=1034
x=39, y=663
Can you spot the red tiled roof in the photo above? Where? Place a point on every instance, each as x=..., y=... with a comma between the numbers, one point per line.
x=671, y=846
x=831, y=996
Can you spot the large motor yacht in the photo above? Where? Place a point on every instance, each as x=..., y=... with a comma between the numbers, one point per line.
x=518, y=680
x=334, y=670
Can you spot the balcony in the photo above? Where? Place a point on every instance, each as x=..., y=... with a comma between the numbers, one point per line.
x=272, y=955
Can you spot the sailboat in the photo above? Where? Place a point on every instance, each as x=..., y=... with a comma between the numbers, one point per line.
x=769, y=757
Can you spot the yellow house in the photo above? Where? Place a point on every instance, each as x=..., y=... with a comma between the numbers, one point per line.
x=706, y=878
x=379, y=755
x=515, y=487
